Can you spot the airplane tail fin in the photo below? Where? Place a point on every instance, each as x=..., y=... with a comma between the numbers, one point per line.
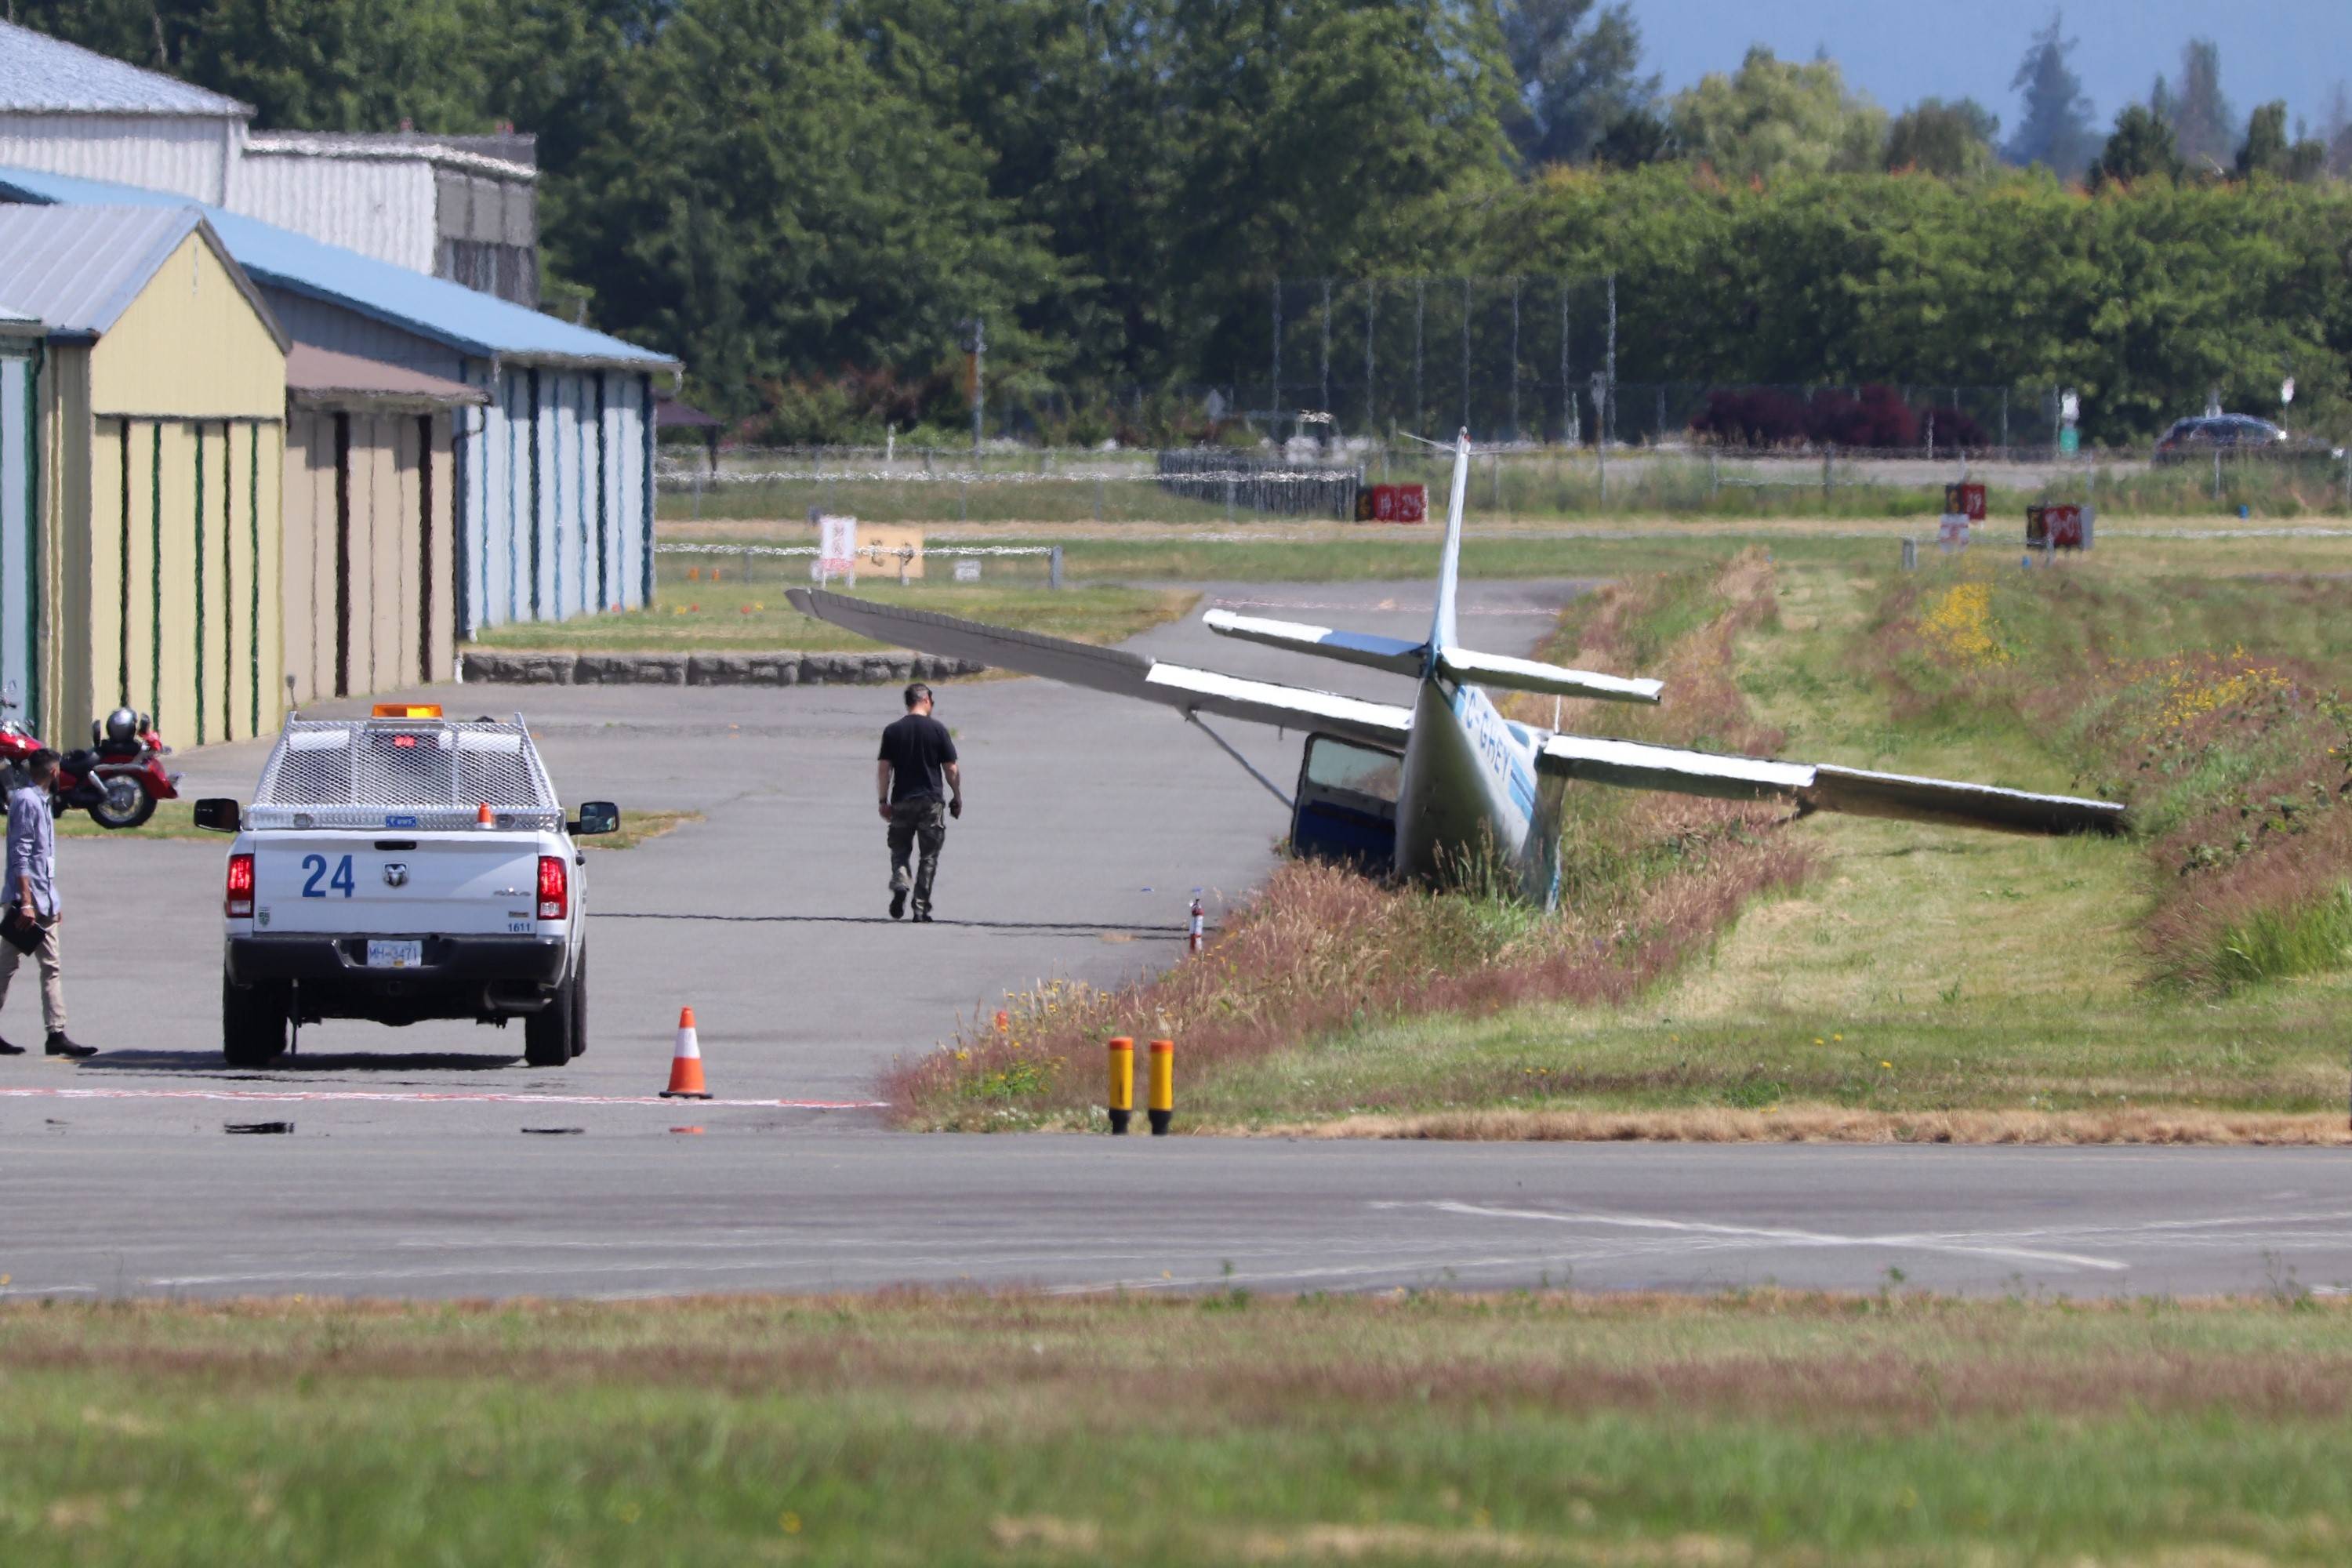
x=1442, y=632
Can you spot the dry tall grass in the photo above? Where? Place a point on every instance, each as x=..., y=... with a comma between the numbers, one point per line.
x=1647, y=882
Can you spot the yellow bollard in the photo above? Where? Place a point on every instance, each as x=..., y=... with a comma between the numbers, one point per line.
x=1163, y=1086
x=1121, y=1102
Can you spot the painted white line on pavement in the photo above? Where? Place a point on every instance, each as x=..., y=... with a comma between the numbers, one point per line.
x=1760, y=1234
x=431, y=1097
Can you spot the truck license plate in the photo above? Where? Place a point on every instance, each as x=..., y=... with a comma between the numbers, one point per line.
x=396, y=954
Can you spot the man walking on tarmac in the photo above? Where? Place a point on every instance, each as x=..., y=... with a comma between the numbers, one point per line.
x=915, y=776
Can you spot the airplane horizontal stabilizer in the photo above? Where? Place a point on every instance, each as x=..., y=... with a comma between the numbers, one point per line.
x=1108, y=669
x=1395, y=655
x=1531, y=675
x=1823, y=788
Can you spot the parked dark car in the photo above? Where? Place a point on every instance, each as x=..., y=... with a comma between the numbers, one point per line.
x=2241, y=436
x=2231, y=434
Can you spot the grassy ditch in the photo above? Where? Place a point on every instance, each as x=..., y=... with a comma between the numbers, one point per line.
x=2188, y=984
x=1763, y=1429
x=1928, y=983
x=1320, y=952
x=718, y=611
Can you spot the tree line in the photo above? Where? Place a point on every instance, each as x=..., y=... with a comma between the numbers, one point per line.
x=806, y=199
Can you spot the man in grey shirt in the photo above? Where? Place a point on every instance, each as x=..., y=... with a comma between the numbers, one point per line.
x=31, y=886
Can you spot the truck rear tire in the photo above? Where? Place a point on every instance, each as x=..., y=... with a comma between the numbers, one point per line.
x=547, y=1034
x=580, y=1005
x=254, y=1021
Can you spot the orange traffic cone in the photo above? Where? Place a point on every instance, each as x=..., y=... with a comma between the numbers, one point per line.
x=686, y=1062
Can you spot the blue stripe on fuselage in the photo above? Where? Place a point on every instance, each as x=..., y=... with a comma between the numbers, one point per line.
x=1503, y=747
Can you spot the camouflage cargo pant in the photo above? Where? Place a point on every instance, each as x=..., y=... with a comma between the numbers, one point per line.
x=917, y=823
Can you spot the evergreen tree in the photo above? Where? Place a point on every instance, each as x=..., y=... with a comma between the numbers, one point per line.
x=1638, y=136
x=2336, y=136
x=766, y=203
x=2268, y=151
x=2203, y=125
x=2055, y=130
x=1954, y=140
x=2141, y=146
x=1576, y=62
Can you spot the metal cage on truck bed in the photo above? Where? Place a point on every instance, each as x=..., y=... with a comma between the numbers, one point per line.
x=423, y=773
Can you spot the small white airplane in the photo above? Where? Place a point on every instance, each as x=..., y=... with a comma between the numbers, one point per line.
x=1448, y=784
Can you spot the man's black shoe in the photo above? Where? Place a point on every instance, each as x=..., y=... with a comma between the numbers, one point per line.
x=60, y=1046
x=898, y=904
x=922, y=917
x=8, y=1050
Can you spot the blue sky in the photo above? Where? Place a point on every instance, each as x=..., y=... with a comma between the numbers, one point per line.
x=1902, y=50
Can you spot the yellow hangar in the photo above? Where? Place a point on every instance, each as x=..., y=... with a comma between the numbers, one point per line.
x=145, y=569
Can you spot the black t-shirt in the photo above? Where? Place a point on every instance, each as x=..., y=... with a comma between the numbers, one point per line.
x=917, y=748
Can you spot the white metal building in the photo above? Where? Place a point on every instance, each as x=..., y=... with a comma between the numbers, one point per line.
x=440, y=206
x=553, y=475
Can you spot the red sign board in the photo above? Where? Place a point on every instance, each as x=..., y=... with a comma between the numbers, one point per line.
x=2055, y=527
x=1392, y=504
x=1965, y=500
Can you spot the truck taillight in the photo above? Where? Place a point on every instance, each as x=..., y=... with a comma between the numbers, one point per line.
x=554, y=887
x=240, y=887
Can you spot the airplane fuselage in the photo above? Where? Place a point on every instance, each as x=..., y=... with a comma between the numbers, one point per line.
x=1472, y=804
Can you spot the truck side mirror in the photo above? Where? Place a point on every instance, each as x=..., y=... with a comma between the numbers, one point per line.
x=216, y=815
x=597, y=817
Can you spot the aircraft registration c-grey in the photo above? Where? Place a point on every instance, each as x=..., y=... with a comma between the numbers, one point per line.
x=1448, y=784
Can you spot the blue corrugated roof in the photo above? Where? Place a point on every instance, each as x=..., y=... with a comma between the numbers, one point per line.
x=464, y=319
x=38, y=73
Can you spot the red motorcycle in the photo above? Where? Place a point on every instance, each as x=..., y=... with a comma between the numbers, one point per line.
x=117, y=778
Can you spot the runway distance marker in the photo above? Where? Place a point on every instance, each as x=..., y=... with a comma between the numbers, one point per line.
x=420, y=1097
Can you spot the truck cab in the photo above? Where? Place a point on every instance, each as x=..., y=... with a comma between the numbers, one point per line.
x=402, y=867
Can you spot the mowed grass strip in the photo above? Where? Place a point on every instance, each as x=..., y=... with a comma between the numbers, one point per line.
x=1290, y=549
x=732, y=615
x=1761, y=1428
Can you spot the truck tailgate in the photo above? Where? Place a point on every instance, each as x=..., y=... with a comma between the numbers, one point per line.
x=456, y=884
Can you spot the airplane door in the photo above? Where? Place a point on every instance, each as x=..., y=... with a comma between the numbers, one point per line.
x=1346, y=803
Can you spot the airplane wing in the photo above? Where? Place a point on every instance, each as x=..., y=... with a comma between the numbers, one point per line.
x=1823, y=788
x=1114, y=671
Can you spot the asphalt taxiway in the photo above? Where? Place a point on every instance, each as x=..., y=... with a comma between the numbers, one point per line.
x=429, y=1161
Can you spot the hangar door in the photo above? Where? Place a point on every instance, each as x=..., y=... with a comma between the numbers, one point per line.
x=368, y=552
x=20, y=481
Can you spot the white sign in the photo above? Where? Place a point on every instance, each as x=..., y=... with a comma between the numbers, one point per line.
x=836, y=548
x=1952, y=531
x=967, y=571
x=2286, y=390
x=2070, y=408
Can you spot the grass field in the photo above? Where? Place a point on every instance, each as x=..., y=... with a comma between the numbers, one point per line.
x=1317, y=552
x=727, y=614
x=1755, y=1429
x=1880, y=980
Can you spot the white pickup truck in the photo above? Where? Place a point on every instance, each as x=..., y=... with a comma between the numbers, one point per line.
x=403, y=868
